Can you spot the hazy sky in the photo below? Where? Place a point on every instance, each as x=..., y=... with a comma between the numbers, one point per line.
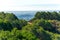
x=29, y=5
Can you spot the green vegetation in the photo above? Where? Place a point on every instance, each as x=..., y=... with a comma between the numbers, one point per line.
x=44, y=26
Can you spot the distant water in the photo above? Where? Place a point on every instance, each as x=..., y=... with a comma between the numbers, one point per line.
x=26, y=15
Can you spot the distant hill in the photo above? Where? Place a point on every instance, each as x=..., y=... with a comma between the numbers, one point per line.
x=26, y=15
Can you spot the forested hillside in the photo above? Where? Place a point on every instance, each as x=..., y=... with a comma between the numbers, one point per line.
x=44, y=26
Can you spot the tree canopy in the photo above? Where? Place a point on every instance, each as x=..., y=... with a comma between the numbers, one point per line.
x=44, y=26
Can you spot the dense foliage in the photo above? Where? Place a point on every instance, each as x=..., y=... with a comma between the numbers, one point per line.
x=8, y=21
x=44, y=26
x=47, y=15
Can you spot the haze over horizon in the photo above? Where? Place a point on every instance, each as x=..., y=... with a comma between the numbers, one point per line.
x=29, y=5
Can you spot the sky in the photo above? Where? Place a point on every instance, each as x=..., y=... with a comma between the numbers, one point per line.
x=29, y=5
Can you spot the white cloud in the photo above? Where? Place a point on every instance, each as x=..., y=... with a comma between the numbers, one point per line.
x=16, y=5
